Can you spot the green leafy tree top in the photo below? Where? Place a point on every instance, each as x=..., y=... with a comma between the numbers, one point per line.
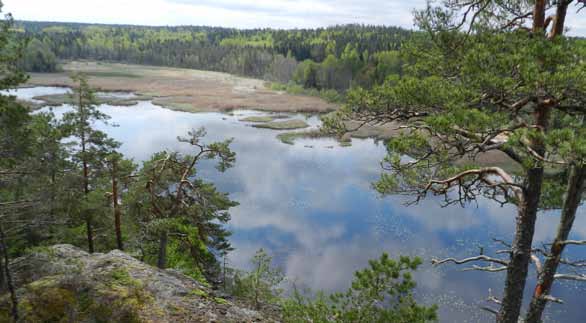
x=92, y=146
x=383, y=292
x=260, y=286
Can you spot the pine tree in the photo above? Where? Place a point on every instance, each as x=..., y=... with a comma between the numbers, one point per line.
x=170, y=201
x=91, y=148
x=488, y=77
x=15, y=152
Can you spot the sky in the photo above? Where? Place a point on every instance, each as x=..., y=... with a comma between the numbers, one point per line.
x=233, y=13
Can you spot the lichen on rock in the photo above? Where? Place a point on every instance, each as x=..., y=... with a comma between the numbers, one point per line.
x=66, y=284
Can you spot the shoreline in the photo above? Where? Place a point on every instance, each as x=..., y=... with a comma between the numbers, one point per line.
x=184, y=89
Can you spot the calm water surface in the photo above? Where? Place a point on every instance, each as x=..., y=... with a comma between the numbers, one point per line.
x=311, y=206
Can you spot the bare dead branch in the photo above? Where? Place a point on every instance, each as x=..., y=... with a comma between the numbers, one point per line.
x=481, y=173
x=537, y=262
x=577, y=277
x=492, y=298
x=490, y=310
x=503, y=242
x=517, y=21
x=575, y=263
x=537, y=156
x=437, y=262
x=573, y=242
x=550, y=298
x=491, y=268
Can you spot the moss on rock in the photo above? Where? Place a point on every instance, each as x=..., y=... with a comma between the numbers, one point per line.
x=111, y=287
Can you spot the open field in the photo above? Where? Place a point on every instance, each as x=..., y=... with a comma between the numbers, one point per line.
x=185, y=89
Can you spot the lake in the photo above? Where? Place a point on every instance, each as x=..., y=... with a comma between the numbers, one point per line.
x=311, y=206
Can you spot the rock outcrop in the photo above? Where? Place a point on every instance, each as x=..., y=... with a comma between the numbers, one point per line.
x=66, y=284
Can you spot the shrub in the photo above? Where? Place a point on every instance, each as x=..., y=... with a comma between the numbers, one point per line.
x=381, y=293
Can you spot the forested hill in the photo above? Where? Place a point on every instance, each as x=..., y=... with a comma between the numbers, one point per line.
x=334, y=57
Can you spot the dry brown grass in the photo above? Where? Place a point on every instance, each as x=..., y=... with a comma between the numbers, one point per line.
x=185, y=89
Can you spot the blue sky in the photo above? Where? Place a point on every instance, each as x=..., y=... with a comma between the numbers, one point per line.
x=233, y=13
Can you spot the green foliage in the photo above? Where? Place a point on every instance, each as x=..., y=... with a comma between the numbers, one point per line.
x=329, y=95
x=169, y=202
x=38, y=57
x=13, y=117
x=256, y=40
x=380, y=293
x=189, y=254
x=454, y=117
x=340, y=56
x=89, y=149
x=29, y=152
x=260, y=286
x=468, y=87
x=290, y=137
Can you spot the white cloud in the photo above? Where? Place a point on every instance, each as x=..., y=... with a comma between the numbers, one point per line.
x=228, y=13
x=233, y=13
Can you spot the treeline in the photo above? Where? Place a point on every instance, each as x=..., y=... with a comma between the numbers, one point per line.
x=38, y=57
x=325, y=58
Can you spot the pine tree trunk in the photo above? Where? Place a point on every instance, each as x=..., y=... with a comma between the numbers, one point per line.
x=539, y=16
x=560, y=18
x=518, y=266
x=521, y=250
x=117, y=220
x=7, y=274
x=574, y=193
x=86, y=185
x=2, y=277
x=88, y=217
x=162, y=261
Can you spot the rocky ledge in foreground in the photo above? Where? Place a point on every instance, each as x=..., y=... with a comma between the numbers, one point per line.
x=66, y=284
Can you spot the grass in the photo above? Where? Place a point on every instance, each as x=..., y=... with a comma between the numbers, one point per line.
x=290, y=137
x=60, y=99
x=262, y=118
x=258, y=119
x=283, y=125
x=171, y=104
x=329, y=95
x=112, y=74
